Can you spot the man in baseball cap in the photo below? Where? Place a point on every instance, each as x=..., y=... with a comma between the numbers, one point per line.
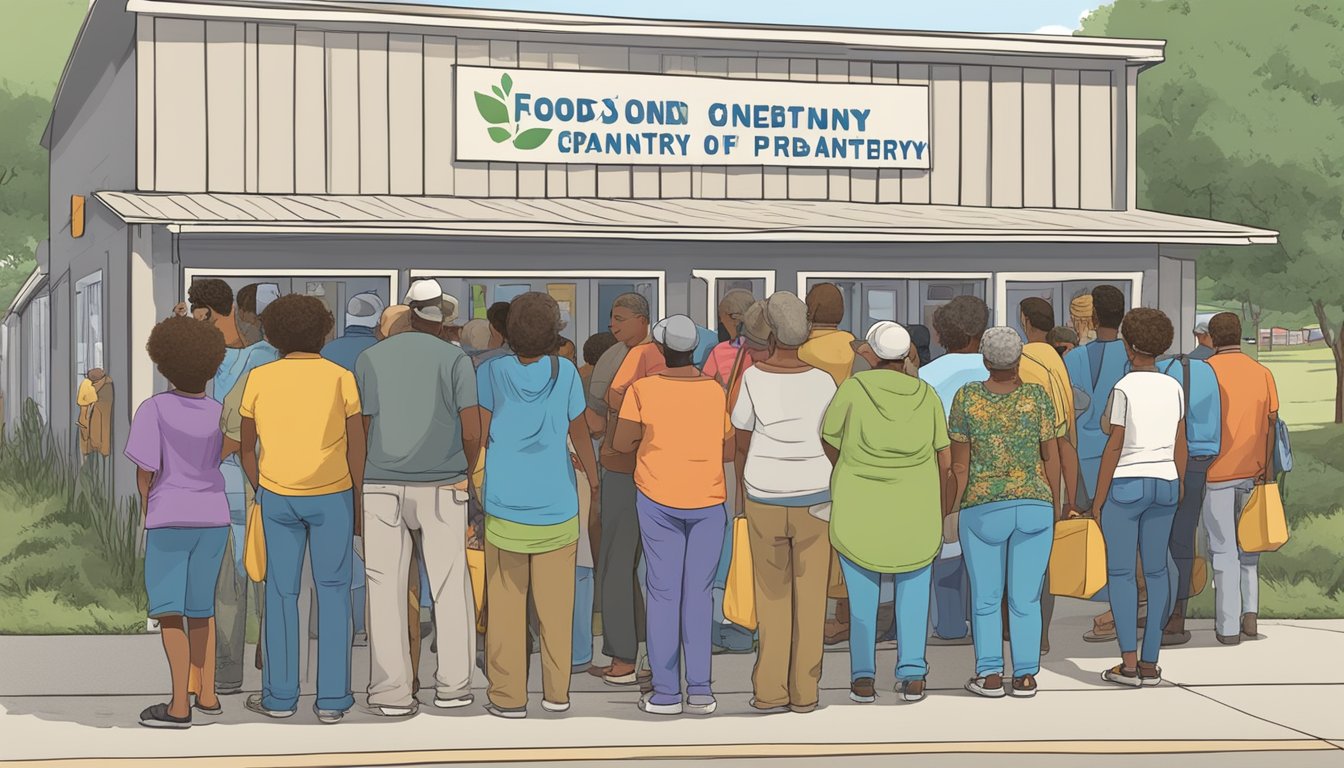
x=1205, y=348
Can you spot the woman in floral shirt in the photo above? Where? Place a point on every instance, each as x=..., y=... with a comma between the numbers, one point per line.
x=1003, y=457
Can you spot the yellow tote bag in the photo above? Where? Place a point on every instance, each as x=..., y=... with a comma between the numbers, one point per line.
x=1078, y=559
x=254, y=545
x=476, y=568
x=739, y=595
x=1263, y=526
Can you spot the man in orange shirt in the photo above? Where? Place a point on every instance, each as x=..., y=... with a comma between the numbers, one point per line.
x=677, y=421
x=1250, y=407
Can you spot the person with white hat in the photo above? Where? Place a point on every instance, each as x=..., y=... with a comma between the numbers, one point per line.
x=419, y=396
x=429, y=303
x=1005, y=460
x=1204, y=349
x=676, y=422
x=886, y=436
x=783, y=468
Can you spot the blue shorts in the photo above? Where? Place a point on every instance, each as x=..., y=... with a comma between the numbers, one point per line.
x=181, y=568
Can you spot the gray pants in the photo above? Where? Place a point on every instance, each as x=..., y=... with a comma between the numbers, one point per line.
x=617, y=560
x=1236, y=574
x=439, y=513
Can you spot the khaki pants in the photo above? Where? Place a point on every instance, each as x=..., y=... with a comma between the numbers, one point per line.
x=508, y=576
x=439, y=513
x=791, y=557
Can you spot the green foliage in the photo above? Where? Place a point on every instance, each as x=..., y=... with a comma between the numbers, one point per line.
x=531, y=138
x=492, y=110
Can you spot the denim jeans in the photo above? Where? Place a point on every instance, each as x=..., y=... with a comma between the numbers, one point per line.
x=324, y=526
x=1186, y=523
x=1007, y=548
x=1136, y=524
x=949, y=597
x=1236, y=574
x=681, y=553
x=583, y=616
x=912, y=620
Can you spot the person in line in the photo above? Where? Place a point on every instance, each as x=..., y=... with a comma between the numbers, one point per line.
x=419, y=408
x=175, y=444
x=677, y=422
x=231, y=592
x=305, y=413
x=1063, y=339
x=705, y=342
x=922, y=341
x=1204, y=348
x=498, y=346
x=530, y=403
x=211, y=300
x=475, y=338
x=582, y=652
x=1250, y=409
x=732, y=310
x=1203, y=439
x=249, y=302
x=619, y=545
x=886, y=434
x=786, y=475
x=593, y=349
x=1041, y=365
x=1006, y=463
x=1094, y=369
x=959, y=324
x=832, y=350
x=1138, y=489
x=1083, y=318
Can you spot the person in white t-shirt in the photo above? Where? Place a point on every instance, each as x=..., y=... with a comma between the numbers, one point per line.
x=787, y=479
x=1142, y=469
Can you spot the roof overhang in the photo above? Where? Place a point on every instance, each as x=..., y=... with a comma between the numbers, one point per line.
x=30, y=288
x=513, y=23
x=678, y=219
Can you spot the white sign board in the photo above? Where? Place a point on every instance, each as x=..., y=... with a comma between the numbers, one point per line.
x=550, y=116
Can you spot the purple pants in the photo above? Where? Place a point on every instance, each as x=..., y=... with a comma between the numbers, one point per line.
x=681, y=554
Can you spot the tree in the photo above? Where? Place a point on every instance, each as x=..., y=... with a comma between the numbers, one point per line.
x=1245, y=122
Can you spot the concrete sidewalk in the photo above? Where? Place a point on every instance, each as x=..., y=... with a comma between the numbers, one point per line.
x=76, y=699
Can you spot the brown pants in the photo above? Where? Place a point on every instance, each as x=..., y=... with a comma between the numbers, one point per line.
x=791, y=557
x=508, y=576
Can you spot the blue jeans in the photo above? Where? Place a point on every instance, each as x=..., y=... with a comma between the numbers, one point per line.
x=1136, y=524
x=949, y=597
x=583, y=616
x=1088, y=470
x=325, y=525
x=912, y=620
x=1007, y=548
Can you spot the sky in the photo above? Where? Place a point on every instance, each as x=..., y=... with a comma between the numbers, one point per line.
x=1043, y=16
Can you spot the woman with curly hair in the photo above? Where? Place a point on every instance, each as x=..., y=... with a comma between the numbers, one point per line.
x=531, y=405
x=1139, y=486
x=175, y=444
x=305, y=411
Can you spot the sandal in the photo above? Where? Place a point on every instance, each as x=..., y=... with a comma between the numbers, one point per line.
x=1121, y=676
x=1149, y=674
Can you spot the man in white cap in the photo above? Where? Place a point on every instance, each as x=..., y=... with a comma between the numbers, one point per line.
x=420, y=410
x=1205, y=349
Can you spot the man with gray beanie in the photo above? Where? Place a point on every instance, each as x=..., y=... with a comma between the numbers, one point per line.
x=362, y=313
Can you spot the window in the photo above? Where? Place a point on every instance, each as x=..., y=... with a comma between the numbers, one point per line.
x=36, y=357
x=88, y=324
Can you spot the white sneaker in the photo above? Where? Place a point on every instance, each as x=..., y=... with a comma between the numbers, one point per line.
x=701, y=705
x=645, y=705
x=551, y=706
x=397, y=711
x=457, y=702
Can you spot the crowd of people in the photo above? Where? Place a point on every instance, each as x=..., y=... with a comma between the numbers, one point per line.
x=484, y=472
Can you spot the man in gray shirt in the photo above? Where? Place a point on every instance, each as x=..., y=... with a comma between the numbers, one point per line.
x=420, y=412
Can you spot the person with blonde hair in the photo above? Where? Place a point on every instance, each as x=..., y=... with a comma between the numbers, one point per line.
x=786, y=475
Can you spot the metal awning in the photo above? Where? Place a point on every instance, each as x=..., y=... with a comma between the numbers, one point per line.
x=679, y=219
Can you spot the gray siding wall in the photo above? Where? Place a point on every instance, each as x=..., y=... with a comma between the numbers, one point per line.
x=239, y=106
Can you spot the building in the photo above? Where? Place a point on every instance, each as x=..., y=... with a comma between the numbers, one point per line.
x=335, y=146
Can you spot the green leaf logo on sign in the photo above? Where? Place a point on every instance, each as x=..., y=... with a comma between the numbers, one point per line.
x=495, y=111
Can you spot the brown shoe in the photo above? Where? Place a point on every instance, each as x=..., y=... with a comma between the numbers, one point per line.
x=1233, y=640
x=911, y=690
x=863, y=691
x=1175, y=633
x=835, y=632
x=1024, y=687
x=621, y=673
x=1250, y=626
x=990, y=686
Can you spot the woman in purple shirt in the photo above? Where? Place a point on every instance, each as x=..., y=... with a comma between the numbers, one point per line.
x=175, y=443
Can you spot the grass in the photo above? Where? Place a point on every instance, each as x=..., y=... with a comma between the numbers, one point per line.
x=69, y=553
x=1305, y=579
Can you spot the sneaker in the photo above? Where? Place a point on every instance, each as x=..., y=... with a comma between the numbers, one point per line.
x=361, y=640
x=1121, y=676
x=1229, y=639
x=766, y=709
x=701, y=705
x=990, y=686
x=646, y=705
x=396, y=711
x=862, y=691
x=156, y=716
x=456, y=702
x=1024, y=687
x=911, y=690
x=1250, y=626
x=1150, y=675
x=551, y=706
x=507, y=714
x=328, y=716
x=254, y=704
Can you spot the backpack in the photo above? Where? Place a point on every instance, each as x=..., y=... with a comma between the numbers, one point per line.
x=1185, y=386
x=1283, y=449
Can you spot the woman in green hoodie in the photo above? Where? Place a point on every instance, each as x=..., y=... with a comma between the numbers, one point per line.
x=887, y=438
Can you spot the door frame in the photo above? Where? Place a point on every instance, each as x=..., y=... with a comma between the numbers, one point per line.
x=712, y=278
x=659, y=276
x=393, y=276
x=1002, y=279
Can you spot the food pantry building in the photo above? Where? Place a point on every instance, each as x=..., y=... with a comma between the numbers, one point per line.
x=335, y=147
